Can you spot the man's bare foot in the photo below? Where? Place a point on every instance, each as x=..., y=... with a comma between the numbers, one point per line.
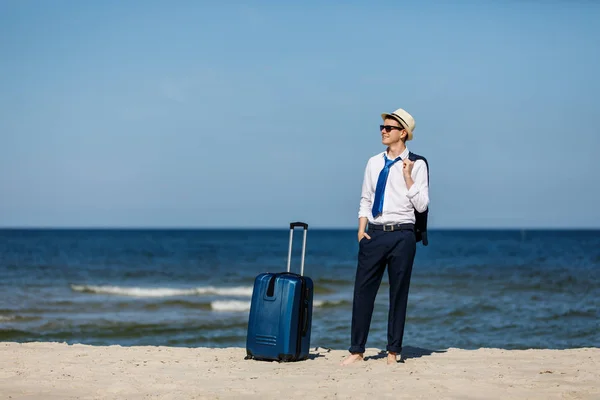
x=391, y=358
x=352, y=358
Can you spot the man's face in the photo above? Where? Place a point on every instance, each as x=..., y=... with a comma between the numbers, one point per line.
x=391, y=131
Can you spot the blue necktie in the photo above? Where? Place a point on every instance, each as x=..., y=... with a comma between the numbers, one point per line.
x=380, y=189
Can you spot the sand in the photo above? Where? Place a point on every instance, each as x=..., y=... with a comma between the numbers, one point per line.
x=61, y=371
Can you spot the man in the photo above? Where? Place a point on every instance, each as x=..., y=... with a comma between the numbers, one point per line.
x=394, y=187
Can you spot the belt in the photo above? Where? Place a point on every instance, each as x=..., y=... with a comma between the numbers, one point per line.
x=393, y=227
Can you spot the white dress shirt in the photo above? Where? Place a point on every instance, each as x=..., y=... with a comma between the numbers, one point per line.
x=399, y=202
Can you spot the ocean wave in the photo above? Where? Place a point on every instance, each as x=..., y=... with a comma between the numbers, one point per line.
x=330, y=303
x=134, y=291
x=230, y=305
x=217, y=305
x=334, y=281
x=111, y=331
x=18, y=318
x=242, y=291
x=237, y=305
x=191, y=305
x=572, y=313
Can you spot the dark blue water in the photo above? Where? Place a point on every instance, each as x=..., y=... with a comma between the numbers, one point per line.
x=470, y=289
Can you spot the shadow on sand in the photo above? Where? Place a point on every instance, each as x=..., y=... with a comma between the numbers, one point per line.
x=313, y=356
x=408, y=352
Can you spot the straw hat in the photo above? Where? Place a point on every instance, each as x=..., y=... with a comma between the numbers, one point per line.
x=404, y=118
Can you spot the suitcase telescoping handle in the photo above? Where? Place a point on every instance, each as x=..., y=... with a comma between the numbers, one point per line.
x=292, y=226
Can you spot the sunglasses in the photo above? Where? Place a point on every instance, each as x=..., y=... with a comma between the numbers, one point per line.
x=389, y=128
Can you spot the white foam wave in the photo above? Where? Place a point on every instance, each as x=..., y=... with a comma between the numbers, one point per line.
x=237, y=305
x=164, y=292
x=321, y=303
x=230, y=305
x=245, y=291
x=2, y=318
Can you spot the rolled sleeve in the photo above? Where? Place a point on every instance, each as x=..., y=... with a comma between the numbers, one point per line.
x=419, y=191
x=412, y=192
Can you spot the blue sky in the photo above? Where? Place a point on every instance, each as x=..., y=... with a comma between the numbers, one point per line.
x=234, y=114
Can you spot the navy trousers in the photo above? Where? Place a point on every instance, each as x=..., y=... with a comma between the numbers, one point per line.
x=396, y=250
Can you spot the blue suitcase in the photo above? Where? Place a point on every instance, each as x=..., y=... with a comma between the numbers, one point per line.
x=280, y=319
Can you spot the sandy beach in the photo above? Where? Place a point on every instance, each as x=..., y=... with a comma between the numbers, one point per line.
x=61, y=371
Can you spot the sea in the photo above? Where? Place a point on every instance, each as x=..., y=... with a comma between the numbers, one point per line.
x=510, y=289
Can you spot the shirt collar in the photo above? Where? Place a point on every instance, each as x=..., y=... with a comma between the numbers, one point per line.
x=403, y=155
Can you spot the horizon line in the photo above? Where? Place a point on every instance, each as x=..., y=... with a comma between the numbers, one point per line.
x=322, y=228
